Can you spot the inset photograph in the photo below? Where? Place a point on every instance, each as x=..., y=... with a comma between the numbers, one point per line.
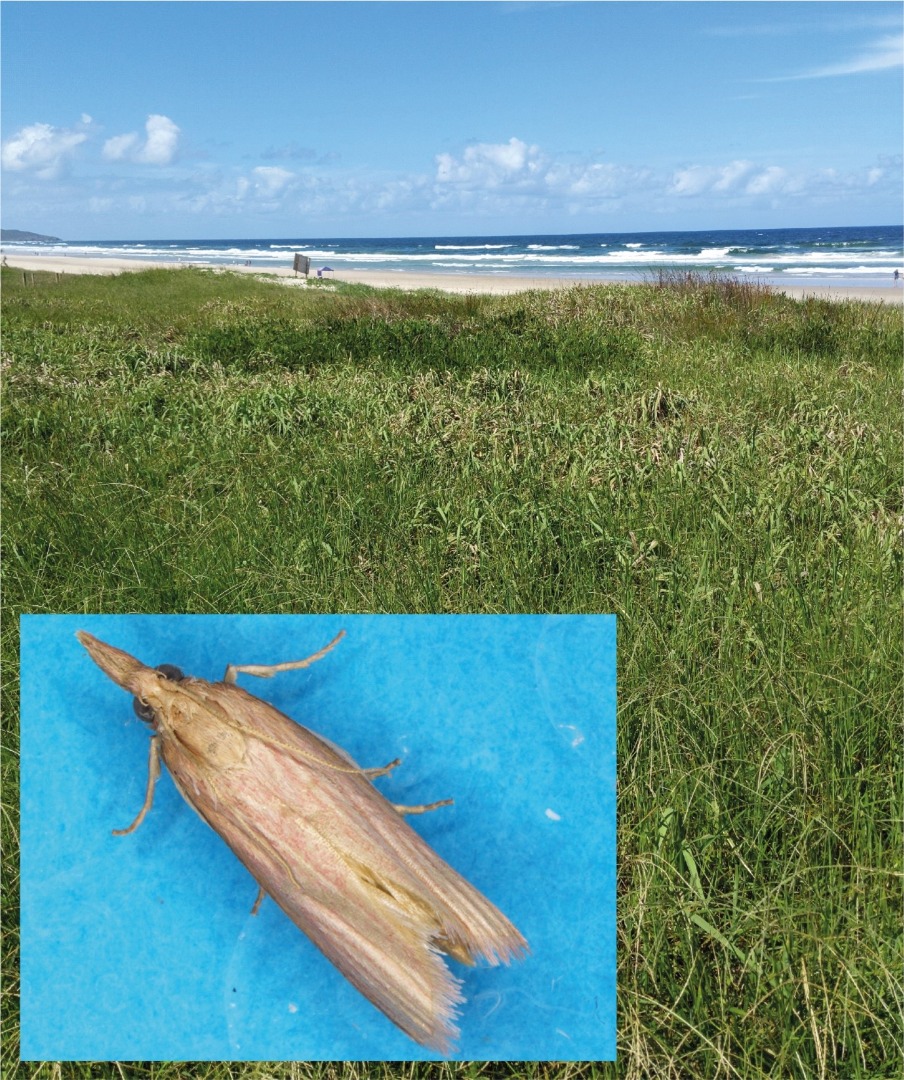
x=318, y=837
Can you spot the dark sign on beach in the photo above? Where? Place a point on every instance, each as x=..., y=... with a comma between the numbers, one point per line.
x=302, y=265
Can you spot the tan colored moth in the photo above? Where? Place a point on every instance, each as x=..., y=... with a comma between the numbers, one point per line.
x=319, y=839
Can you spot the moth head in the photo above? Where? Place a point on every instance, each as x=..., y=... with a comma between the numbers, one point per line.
x=151, y=688
x=144, y=710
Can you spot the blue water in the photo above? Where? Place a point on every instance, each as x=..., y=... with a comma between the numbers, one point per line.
x=860, y=255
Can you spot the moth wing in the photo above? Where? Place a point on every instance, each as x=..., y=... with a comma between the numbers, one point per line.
x=345, y=867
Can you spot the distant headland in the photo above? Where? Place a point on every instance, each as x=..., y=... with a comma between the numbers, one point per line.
x=33, y=237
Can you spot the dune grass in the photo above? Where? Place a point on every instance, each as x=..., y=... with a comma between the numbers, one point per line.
x=718, y=465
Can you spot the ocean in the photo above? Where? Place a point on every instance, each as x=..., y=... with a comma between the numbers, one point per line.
x=861, y=255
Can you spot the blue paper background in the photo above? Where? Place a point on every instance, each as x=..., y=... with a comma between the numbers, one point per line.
x=143, y=947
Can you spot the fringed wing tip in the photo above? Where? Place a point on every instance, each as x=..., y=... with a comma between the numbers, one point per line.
x=437, y=1029
x=502, y=946
x=424, y=1002
x=441, y=1033
x=516, y=948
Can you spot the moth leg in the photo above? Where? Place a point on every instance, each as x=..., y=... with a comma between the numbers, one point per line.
x=423, y=809
x=372, y=774
x=153, y=776
x=267, y=671
x=260, y=899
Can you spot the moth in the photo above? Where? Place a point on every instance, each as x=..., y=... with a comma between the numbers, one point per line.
x=317, y=836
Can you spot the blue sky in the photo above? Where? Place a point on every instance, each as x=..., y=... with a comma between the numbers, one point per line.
x=291, y=119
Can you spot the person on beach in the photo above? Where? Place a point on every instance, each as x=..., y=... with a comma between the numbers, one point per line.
x=897, y=276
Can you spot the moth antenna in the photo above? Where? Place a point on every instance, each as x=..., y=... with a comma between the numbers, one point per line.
x=385, y=770
x=423, y=808
x=295, y=752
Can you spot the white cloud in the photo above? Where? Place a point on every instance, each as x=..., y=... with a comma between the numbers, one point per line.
x=119, y=146
x=270, y=179
x=162, y=141
x=887, y=52
x=770, y=180
x=517, y=178
x=692, y=180
x=735, y=177
x=158, y=148
x=883, y=54
x=732, y=174
x=487, y=174
x=594, y=180
x=42, y=148
x=490, y=164
x=264, y=189
x=847, y=22
x=492, y=184
x=747, y=181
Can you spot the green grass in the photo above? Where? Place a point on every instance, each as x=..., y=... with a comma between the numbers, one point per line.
x=718, y=465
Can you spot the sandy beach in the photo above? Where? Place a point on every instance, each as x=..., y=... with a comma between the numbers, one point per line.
x=451, y=283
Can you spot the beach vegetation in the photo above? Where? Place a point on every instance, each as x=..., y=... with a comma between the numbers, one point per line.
x=718, y=465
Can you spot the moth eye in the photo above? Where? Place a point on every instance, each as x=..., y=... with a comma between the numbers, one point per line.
x=144, y=712
x=170, y=671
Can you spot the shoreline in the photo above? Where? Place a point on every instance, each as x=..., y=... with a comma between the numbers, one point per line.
x=462, y=284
